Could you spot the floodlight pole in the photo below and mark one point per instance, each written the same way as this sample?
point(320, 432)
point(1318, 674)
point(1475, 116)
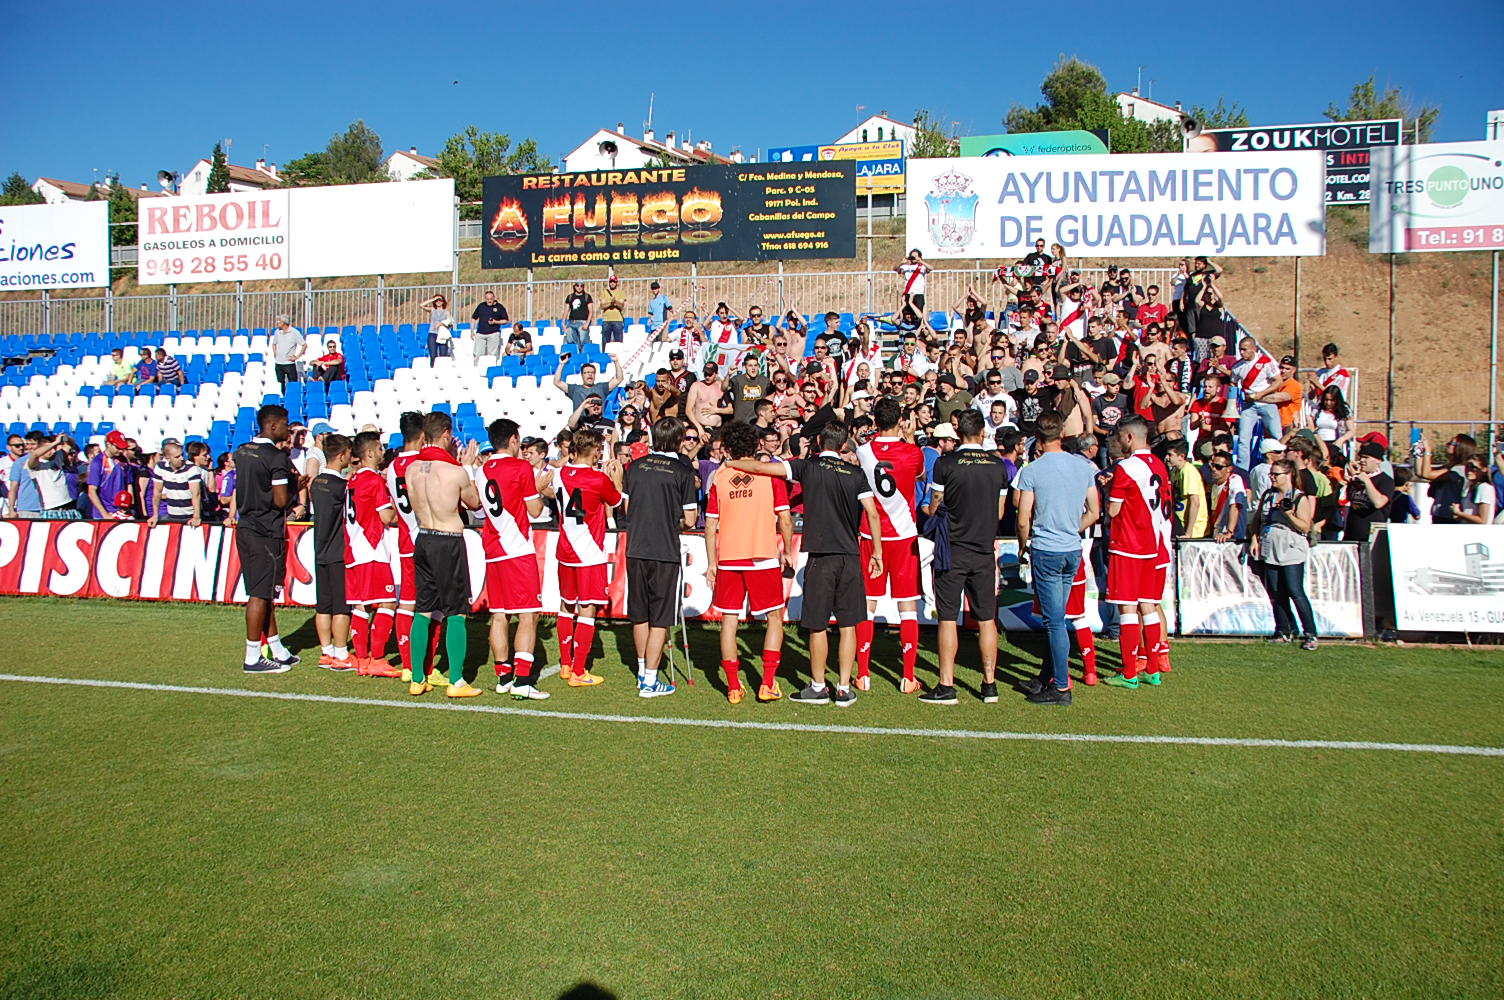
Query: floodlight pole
point(1389, 389)
point(1295, 344)
point(1493, 356)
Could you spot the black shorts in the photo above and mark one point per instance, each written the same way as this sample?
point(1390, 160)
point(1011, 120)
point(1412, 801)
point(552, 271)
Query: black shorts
point(263, 564)
point(329, 589)
point(653, 592)
point(833, 587)
point(971, 573)
point(917, 301)
point(441, 571)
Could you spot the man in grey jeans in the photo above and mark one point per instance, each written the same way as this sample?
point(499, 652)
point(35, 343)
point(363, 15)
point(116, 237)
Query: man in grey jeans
point(288, 346)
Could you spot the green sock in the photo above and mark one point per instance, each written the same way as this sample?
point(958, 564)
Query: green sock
point(454, 647)
point(418, 643)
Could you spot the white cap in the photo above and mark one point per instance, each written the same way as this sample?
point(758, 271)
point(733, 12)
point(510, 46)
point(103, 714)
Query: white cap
point(1271, 445)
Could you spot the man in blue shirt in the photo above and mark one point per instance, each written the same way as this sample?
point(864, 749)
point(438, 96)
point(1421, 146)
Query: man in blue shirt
point(659, 306)
point(1057, 500)
point(146, 368)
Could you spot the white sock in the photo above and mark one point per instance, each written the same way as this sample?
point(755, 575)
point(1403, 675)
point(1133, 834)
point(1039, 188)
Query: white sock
point(817, 687)
point(252, 651)
point(642, 666)
point(842, 690)
point(274, 643)
point(327, 650)
point(340, 652)
point(649, 677)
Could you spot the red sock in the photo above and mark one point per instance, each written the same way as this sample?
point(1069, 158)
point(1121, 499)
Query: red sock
point(1128, 642)
point(908, 637)
point(584, 636)
point(770, 658)
point(432, 655)
point(503, 668)
point(1088, 649)
point(405, 637)
point(381, 628)
point(864, 648)
point(733, 675)
point(1154, 638)
point(566, 641)
point(522, 670)
point(360, 626)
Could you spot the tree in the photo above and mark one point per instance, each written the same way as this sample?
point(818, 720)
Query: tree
point(219, 172)
point(17, 192)
point(472, 155)
point(1366, 103)
point(1221, 116)
point(308, 169)
point(1076, 97)
point(929, 138)
point(123, 214)
point(354, 156)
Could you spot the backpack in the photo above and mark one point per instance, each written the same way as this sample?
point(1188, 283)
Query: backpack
point(1446, 492)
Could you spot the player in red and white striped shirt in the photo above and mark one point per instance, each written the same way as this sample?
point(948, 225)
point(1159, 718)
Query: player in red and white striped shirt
point(509, 498)
point(893, 467)
point(368, 566)
point(1140, 506)
point(585, 494)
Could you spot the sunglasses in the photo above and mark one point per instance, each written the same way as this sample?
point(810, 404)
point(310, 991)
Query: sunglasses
point(1221, 465)
point(693, 440)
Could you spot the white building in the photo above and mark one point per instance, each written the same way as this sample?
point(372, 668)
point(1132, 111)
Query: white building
point(608, 149)
point(405, 164)
point(1134, 105)
point(881, 128)
point(258, 178)
point(56, 192)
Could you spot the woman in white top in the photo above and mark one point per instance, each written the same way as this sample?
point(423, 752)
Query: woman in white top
point(1479, 504)
point(1332, 424)
point(440, 327)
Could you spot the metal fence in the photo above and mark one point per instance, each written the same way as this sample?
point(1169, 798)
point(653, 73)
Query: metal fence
point(537, 300)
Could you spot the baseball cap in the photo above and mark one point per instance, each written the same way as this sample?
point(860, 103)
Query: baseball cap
point(948, 379)
point(115, 438)
point(945, 430)
point(1375, 437)
point(1219, 339)
point(1031, 376)
point(1111, 378)
point(1289, 359)
point(1060, 371)
point(711, 368)
point(676, 353)
point(655, 285)
point(861, 394)
point(612, 280)
point(321, 427)
point(1372, 449)
point(1272, 445)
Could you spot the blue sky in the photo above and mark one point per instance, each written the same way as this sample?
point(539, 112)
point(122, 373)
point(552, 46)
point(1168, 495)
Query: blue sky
point(117, 88)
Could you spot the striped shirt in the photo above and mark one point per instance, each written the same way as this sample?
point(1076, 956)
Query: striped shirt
point(168, 370)
point(174, 491)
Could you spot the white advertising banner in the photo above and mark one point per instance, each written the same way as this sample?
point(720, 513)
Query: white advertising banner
point(1220, 594)
point(1436, 197)
point(213, 237)
point(55, 246)
point(1145, 205)
point(1447, 577)
point(322, 232)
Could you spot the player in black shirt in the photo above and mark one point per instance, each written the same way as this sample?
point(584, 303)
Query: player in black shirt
point(326, 496)
point(971, 486)
point(265, 488)
point(662, 498)
point(835, 496)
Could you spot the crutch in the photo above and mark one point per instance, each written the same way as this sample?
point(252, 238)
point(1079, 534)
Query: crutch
point(689, 672)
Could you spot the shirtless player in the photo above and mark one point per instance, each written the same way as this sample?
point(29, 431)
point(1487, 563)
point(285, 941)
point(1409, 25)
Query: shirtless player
point(438, 485)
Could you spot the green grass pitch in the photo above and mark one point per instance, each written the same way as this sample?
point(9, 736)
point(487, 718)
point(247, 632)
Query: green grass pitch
point(162, 844)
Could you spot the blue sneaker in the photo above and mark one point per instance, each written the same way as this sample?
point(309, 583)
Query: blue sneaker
point(265, 666)
point(292, 659)
point(655, 690)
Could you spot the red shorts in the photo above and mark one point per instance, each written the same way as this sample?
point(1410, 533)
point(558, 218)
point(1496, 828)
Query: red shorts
point(369, 583)
point(900, 569)
point(1075, 603)
point(583, 584)
point(1135, 581)
point(747, 591)
point(513, 586)
point(407, 587)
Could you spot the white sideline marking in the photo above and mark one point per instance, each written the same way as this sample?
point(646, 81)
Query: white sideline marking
point(444, 705)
